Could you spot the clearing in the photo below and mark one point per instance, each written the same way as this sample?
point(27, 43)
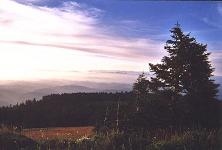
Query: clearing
point(68, 133)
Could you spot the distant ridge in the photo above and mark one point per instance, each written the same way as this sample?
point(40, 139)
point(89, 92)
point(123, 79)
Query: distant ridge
point(20, 91)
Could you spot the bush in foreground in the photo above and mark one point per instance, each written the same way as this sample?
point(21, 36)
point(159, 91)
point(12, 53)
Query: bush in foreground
point(12, 141)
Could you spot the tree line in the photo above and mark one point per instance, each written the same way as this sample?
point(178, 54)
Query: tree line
point(76, 109)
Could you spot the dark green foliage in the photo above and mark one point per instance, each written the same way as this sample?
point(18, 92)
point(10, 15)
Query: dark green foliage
point(77, 109)
point(140, 87)
point(185, 94)
point(191, 140)
point(141, 90)
point(12, 141)
point(186, 70)
point(160, 139)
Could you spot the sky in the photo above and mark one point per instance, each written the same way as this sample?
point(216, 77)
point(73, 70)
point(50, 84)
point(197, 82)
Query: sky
point(98, 40)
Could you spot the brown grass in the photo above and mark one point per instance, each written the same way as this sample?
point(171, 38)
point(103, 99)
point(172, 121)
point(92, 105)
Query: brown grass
point(68, 133)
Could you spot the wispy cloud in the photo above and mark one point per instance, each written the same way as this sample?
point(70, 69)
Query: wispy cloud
point(70, 33)
point(33, 25)
point(28, 1)
point(116, 72)
point(33, 2)
point(214, 21)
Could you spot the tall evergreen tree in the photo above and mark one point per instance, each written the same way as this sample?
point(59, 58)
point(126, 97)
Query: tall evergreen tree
point(186, 70)
point(182, 85)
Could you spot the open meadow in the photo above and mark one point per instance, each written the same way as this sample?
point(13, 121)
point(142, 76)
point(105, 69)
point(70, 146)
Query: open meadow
point(67, 133)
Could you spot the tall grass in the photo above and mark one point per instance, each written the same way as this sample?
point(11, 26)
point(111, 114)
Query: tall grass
point(200, 139)
point(158, 139)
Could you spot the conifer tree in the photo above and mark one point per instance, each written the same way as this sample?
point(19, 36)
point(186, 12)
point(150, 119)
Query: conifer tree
point(140, 88)
point(182, 84)
point(186, 70)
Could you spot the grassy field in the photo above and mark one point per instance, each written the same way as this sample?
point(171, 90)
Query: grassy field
point(75, 138)
point(67, 133)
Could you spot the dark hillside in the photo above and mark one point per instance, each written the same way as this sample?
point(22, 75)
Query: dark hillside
point(77, 109)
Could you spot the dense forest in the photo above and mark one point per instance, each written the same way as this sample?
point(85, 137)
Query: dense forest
point(100, 109)
point(77, 109)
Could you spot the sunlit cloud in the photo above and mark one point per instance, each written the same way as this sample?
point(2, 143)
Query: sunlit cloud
point(117, 72)
point(68, 37)
point(43, 42)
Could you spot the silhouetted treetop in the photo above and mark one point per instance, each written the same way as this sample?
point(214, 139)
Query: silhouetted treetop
point(186, 69)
